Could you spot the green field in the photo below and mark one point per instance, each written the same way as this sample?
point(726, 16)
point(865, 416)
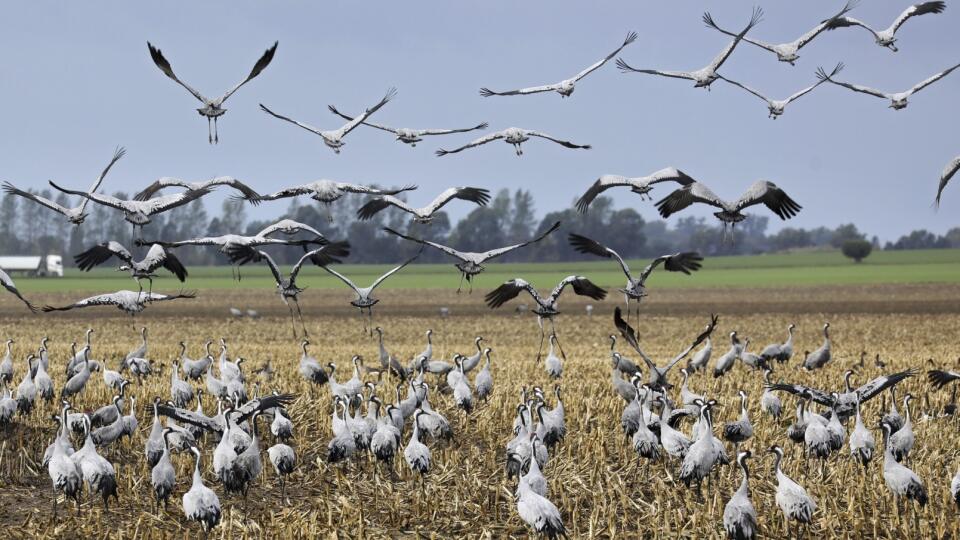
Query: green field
point(820, 268)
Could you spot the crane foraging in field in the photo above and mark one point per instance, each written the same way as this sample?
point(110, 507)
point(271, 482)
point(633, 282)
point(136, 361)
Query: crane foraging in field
point(471, 264)
point(546, 306)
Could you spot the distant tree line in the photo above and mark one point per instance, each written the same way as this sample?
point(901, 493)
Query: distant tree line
point(27, 229)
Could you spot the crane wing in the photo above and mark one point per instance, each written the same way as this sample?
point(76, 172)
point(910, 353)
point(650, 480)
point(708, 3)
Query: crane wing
point(189, 417)
point(939, 378)
point(446, 249)
point(393, 271)
point(878, 385)
point(486, 92)
point(375, 205)
point(822, 75)
point(164, 66)
point(261, 65)
point(98, 300)
point(483, 125)
point(12, 288)
point(117, 154)
point(307, 127)
point(923, 84)
point(582, 244)
point(368, 124)
point(157, 185)
point(625, 67)
point(917, 9)
point(631, 37)
point(289, 227)
point(818, 396)
point(100, 253)
point(747, 88)
point(772, 197)
point(494, 253)
point(681, 198)
point(476, 142)
point(42, 201)
point(581, 286)
point(510, 290)
point(685, 261)
point(561, 142)
point(262, 404)
point(168, 202)
point(946, 175)
point(475, 195)
point(100, 198)
point(349, 126)
point(724, 54)
point(328, 254)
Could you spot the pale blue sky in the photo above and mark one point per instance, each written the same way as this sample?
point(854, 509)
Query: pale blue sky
point(77, 81)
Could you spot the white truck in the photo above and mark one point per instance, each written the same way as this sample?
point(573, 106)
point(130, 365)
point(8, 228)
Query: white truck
point(33, 265)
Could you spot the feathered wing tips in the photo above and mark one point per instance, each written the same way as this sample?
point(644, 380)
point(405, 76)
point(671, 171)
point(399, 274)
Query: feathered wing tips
point(371, 208)
point(582, 244)
point(939, 378)
point(584, 287)
point(822, 74)
point(408, 187)
point(714, 319)
point(331, 253)
point(173, 264)
point(12, 288)
point(777, 201)
point(479, 196)
point(264, 61)
point(686, 262)
point(504, 293)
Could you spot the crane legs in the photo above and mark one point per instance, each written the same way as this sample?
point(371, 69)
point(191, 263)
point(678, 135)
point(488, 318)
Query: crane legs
point(299, 315)
point(209, 130)
point(216, 134)
point(553, 328)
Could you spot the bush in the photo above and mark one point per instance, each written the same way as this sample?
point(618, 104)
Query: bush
point(857, 250)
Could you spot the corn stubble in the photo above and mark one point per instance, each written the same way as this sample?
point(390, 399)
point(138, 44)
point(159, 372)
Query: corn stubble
point(594, 475)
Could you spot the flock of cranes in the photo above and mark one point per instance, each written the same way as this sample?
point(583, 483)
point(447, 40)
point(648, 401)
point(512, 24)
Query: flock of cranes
point(362, 420)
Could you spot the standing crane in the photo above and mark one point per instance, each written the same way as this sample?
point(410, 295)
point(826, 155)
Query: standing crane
point(739, 515)
point(792, 499)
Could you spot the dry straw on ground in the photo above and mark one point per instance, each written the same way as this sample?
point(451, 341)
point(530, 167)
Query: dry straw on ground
point(594, 475)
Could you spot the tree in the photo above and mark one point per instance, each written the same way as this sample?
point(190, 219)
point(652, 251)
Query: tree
point(843, 233)
point(857, 250)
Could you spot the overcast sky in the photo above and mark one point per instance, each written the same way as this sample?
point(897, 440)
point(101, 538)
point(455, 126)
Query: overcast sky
point(77, 81)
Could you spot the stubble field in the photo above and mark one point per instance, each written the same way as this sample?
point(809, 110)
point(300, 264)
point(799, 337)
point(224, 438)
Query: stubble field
point(595, 478)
